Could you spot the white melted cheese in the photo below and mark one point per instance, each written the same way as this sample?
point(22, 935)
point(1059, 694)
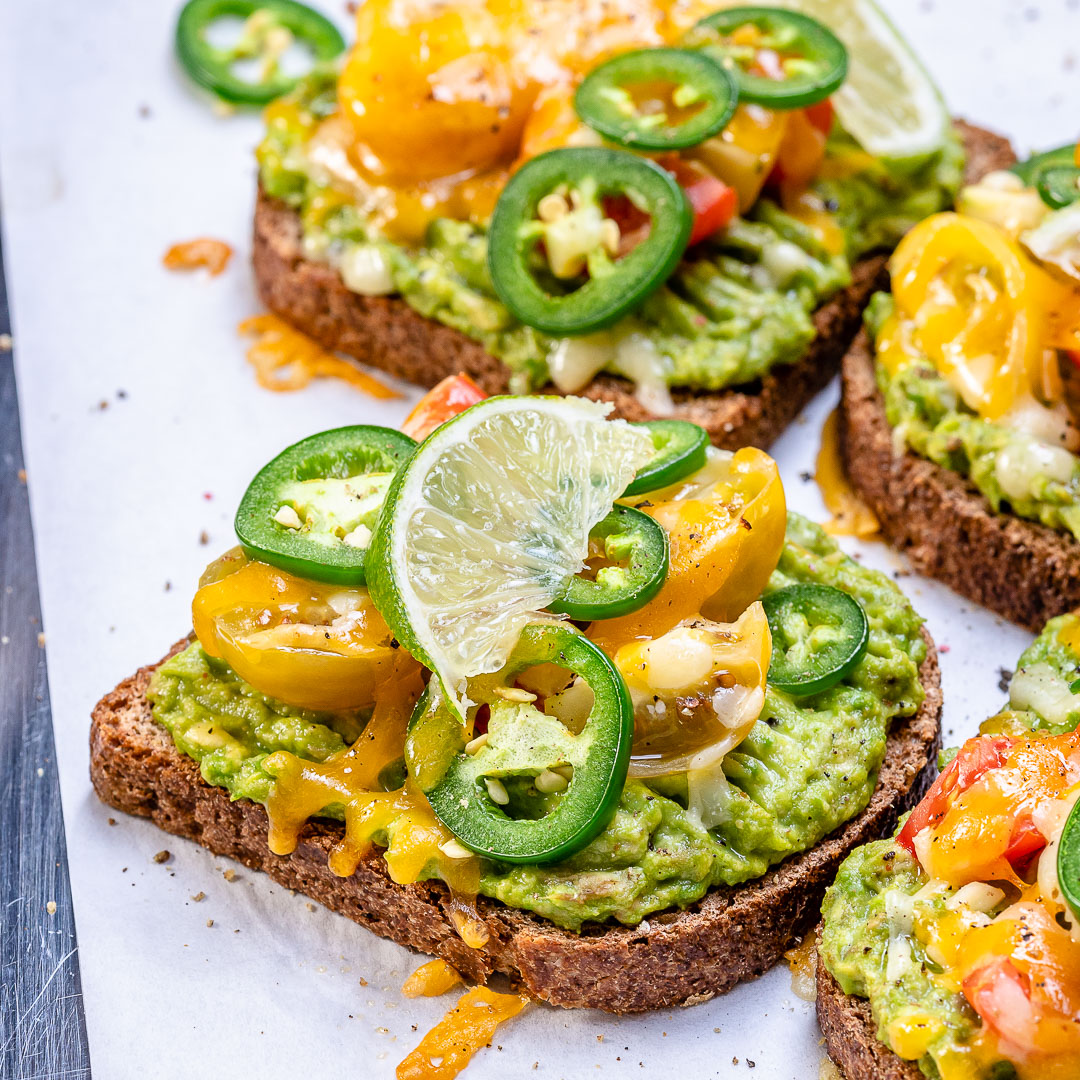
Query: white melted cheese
point(365, 270)
point(575, 362)
point(1041, 689)
point(1025, 460)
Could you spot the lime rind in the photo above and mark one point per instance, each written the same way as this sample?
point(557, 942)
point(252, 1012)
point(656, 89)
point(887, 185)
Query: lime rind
point(488, 522)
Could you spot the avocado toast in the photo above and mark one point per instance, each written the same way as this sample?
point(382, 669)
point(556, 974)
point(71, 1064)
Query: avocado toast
point(736, 336)
point(716, 840)
point(956, 939)
point(973, 471)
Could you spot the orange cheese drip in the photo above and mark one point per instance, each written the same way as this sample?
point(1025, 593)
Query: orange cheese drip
point(469, 1026)
point(432, 979)
point(850, 515)
point(802, 960)
point(402, 820)
point(214, 255)
point(285, 359)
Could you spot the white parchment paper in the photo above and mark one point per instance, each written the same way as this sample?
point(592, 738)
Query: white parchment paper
point(142, 425)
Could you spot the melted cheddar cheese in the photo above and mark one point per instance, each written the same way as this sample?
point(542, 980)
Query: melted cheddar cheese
point(286, 359)
point(468, 1027)
point(416, 843)
point(850, 514)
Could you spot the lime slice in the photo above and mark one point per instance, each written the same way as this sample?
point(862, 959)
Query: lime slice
point(488, 521)
point(888, 102)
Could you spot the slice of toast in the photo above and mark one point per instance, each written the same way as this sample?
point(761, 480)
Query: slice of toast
point(851, 1035)
point(674, 958)
point(387, 334)
point(1019, 569)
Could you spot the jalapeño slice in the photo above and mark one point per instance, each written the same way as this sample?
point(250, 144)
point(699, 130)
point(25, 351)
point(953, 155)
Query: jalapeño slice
point(311, 510)
point(636, 548)
point(680, 451)
point(271, 26)
point(1068, 860)
point(819, 635)
point(553, 253)
point(472, 792)
point(1030, 170)
point(779, 58)
point(658, 99)
point(1059, 185)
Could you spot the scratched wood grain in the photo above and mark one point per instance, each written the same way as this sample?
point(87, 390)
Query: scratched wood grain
point(42, 1024)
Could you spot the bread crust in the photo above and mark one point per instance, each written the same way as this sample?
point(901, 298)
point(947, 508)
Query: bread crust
point(851, 1035)
point(387, 334)
point(1020, 569)
point(675, 958)
point(384, 332)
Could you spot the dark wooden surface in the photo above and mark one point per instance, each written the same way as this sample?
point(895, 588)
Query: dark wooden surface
point(42, 1024)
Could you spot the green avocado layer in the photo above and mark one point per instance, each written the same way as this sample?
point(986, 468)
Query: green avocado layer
point(935, 423)
point(855, 935)
point(807, 765)
point(740, 305)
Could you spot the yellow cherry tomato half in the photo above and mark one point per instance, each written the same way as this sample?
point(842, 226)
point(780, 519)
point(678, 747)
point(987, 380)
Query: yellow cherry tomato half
point(697, 691)
point(965, 288)
point(306, 643)
point(726, 525)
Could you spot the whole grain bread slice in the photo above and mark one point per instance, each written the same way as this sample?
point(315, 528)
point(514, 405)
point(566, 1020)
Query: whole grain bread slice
point(674, 958)
point(387, 334)
point(851, 1035)
point(1019, 569)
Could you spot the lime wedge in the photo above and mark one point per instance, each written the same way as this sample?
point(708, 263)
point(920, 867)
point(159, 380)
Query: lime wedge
point(487, 522)
point(889, 102)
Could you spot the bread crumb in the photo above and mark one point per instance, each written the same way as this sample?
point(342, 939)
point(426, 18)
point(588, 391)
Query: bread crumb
point(199, 897)
point(363, 982)
point(310, 906)
point(209, 922)
point(5, 343)
point(41, 640)
point(50, 907)
point(22, 476)
point(161, 856)
point(112, 821)
point(229, 875)
point(204, 538)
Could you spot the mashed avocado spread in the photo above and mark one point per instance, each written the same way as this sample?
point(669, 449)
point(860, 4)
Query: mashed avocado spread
point(929, 415)
point(917, 1013)
point(739, 306)
point(808, 764)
